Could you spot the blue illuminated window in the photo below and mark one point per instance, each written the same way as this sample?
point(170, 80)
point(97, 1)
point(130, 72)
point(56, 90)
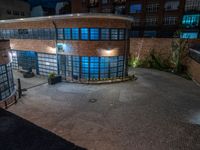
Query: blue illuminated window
point(189, 35)
point(84, 34)
point(191, 20)
point(105, 34)
point(75, 33)
point(85, 68)
point(67, 33)
point(114, 34)
point(135, 8)
point(60, 34)
point(150, 33)
point(94, 68)
point(94, 34)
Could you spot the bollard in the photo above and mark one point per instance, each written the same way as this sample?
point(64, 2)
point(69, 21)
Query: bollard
point(19, 88)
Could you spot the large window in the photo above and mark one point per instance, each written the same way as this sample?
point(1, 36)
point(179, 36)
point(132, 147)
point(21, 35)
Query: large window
point(114, 34)
point(94, 34)
point(191, 20)
point(170, 20)
point(192, 5)
point(150, 33)
point(172, 5)
point(105, 34)
point(84, 34)
point(121, 34)
point(151, 20)
point(152, 7)
point(47, 63)
point(189, 35)
point(91, 68)
point(75, 33)
point(85, 68)
point(67, 33)
point(59, 34)
point(94, 68)
point(135, 8)
point(6, 81)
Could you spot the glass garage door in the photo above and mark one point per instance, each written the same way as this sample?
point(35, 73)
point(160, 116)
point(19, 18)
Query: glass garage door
point(47, 63)
point(27, 60)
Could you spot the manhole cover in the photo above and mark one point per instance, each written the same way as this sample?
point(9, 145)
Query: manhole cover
point(93, 100)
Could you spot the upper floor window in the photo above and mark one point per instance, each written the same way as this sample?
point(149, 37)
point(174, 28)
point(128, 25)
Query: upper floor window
point(94, 34)
point(105, 34)
point(189, 35)
point(151, 20)
point(135, 8)
point(104, 1)
point(191, 20)
point(172, 5)
point(170, 20)
point(136, 21)
point(84, 34)
point(152, 7)
point(150, 33)
point(121, 34)
point(75, 33)
point(192, 5)
point(60, 34)
point(67, 33)
point(114, 34)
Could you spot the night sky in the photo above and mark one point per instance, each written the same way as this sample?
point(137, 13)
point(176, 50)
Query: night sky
point(46, 3)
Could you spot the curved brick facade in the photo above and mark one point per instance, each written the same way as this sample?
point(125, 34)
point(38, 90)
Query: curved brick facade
point(94, 39)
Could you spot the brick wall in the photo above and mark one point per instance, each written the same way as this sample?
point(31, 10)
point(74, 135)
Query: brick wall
point(44, 46)
point(194, 70)
point(142, 46)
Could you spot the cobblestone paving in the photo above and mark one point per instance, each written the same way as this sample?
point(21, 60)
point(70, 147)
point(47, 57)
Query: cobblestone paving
point(159, 111)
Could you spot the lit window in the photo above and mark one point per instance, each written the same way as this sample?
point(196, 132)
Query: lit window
point(75, 33)
point(170, 20)
point(150, 33)
point(153, 7)
point(67, 32)
point(60, 34)
point(105, 34)
point(172, 5)
point(121, 34)
point(189, 35)
point(114, 34)
point(191, 20)
point(84, 34)
point(94, 34)
point(151, 20)
point(135, 8)
point(192, 5)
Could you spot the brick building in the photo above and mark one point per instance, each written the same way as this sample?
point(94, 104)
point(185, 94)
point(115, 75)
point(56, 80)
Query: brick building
point(80, 47)
point(152, 18)
point(12, 9)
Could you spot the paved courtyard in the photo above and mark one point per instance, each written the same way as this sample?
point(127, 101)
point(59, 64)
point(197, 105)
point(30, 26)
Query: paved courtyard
point(158, 111)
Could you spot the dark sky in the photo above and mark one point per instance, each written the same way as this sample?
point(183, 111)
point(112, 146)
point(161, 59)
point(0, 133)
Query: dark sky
point(46, 3)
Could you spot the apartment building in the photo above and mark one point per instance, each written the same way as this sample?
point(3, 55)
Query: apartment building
point(13, 9)
point(152, 18)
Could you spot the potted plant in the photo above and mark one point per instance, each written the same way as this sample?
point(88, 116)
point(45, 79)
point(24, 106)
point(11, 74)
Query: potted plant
point(53, 79)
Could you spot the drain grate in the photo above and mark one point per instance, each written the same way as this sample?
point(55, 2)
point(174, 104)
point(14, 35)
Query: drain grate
point(93, 100)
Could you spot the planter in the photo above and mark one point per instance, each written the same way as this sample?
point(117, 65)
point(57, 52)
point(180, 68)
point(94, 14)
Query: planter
point(54, 80)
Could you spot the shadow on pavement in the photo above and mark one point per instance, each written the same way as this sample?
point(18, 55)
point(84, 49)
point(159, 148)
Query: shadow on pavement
point(19, 134)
